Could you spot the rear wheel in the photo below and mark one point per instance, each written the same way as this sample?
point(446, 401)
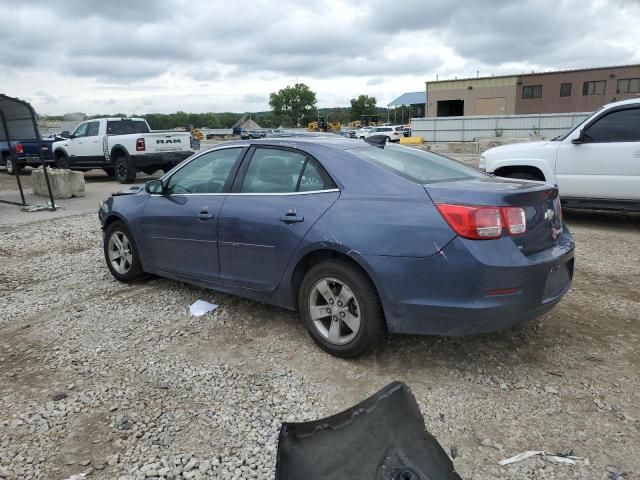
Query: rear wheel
point(124, 170)
point(10, 164)
point(121, 253)
point(524, 176)
point(340, 308)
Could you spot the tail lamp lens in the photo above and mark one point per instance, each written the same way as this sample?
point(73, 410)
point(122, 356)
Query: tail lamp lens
point(481, 222)
point(19, 148)
point(140, 146)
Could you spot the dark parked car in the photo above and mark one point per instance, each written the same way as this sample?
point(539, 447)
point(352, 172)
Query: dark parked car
point(27, 152)
point(360, 240)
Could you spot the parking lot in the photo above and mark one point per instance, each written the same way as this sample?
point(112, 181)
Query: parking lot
point(117, 381)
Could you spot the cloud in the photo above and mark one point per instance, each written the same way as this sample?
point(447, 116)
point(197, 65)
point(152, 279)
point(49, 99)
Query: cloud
point(179, 54)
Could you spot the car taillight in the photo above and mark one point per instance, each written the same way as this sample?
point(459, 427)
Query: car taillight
point(19, 149)
point(557, 205)
point(478, 222)
point(140, 147)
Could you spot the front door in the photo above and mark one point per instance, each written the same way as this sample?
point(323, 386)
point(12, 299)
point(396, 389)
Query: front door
point(278, 195)
point(607, 163)
point(180, 226)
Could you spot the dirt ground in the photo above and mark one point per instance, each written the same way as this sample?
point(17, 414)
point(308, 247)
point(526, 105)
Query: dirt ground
point(151, 392)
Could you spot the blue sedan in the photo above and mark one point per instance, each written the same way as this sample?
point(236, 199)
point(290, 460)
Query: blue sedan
point(361, 239)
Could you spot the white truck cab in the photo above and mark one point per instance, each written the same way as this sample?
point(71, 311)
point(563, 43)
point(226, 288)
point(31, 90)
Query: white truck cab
point(121, 147)
point(595, 165)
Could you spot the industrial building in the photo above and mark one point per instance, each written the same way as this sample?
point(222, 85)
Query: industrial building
point(546, 92)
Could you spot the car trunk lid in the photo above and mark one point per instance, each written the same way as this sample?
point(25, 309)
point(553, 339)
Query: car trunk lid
point(540, 202)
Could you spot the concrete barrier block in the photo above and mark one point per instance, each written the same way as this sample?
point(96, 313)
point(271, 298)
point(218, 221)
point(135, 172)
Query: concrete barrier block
point(64, 183)
point(463, 147)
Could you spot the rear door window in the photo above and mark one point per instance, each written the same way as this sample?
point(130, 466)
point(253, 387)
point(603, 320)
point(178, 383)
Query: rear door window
point(126, 127)
point(272, 170)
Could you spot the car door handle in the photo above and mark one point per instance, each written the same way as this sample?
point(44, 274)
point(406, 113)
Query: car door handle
point(205, 216)
point(289, 218)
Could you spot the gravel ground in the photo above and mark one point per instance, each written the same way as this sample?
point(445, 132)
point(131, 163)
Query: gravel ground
point(117, 381)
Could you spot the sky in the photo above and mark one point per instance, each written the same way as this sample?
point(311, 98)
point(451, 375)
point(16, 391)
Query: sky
point(137, 56)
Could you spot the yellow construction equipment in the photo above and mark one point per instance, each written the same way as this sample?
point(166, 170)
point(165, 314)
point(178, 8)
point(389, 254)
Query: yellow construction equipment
point(323, 126)
point(196, 134)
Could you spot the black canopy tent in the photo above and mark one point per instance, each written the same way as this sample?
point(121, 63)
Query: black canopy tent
point(18, 122)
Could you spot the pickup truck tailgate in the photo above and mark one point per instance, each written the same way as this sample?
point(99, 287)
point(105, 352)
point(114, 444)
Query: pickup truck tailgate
point(167, 142)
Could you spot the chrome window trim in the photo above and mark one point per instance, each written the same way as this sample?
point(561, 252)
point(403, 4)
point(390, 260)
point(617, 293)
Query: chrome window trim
point(245, 194)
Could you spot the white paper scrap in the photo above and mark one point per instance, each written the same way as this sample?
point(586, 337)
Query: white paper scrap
point(200, 307)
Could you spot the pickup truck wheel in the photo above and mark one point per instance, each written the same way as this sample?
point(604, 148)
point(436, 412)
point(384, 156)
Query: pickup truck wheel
point(341, 309)
point(523, 176)
point(11, 168)
point(63, 162)
point(124, 170)
point(121, 253)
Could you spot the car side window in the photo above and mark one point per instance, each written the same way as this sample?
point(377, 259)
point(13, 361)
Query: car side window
point(92, 129)
point(273, 171)
point(208, 173)
point(619, 126)
point(81, 131)
point(313, 178)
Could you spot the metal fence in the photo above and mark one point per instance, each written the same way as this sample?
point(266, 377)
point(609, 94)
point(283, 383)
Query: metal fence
point(465, 129)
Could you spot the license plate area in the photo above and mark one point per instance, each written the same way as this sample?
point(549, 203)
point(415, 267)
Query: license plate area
point(558, 280)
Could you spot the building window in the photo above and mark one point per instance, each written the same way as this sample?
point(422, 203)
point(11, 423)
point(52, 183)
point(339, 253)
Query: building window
point(565, 90)
point(594, 88)
point(629, 85)
point(532, 91)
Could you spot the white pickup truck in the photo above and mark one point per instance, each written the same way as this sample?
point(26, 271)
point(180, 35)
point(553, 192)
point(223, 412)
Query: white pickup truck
point(121, 147)
point(595, 165)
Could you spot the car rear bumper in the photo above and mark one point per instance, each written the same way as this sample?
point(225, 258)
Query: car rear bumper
point(165, 158)
point(472, 287)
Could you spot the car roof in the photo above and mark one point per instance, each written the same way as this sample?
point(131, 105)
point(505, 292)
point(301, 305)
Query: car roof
point(330, 140)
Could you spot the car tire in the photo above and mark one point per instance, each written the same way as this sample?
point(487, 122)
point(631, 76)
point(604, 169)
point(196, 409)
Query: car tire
point(124, 169)
point(524, 176)
point(121, 253)
point(334, 333)
point(11, 166)
point(110, 171)
point(62, 162)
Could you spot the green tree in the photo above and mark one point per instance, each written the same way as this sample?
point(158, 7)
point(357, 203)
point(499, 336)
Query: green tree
point(293, 106)
point(363, 105)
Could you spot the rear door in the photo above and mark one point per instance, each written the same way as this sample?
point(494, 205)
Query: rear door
point(180, 227)
point(607, 163)
point(277, 196)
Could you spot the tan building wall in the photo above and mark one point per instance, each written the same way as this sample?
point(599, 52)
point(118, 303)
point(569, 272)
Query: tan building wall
point(552, 102)
point(481, 96)
point(503, 95)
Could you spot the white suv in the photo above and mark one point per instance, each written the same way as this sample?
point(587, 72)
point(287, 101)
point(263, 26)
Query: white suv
point(596, 165)
point(393, 132)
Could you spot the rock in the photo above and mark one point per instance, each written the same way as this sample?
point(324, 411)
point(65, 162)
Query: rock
point(113, 460)
point(56, 397)
point(550, 389)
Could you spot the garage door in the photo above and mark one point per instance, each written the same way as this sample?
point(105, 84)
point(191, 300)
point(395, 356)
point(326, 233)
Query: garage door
point(491, 106)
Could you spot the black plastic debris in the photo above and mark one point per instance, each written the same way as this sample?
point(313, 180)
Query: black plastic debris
point(381, 438)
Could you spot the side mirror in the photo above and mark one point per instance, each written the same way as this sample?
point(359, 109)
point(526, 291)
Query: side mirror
point(154, 187)
point(66, 134)
point(579, 139)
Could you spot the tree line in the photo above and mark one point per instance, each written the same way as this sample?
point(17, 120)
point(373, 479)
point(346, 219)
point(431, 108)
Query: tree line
point(292, 106)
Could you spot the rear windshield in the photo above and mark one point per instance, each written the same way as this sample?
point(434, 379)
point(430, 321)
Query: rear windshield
point(126, 127)
point(417, 165)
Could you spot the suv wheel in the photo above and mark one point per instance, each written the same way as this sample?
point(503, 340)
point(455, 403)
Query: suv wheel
point(124, 170)
point(340, 308)
point(121, 253)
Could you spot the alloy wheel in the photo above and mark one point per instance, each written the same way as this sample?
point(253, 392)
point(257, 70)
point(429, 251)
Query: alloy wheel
point(334, 310)
point(120, 254)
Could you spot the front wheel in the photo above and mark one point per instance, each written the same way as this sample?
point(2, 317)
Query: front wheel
point(341, 309)
point(124, 170)
point(121, 253)
point(63, 162)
